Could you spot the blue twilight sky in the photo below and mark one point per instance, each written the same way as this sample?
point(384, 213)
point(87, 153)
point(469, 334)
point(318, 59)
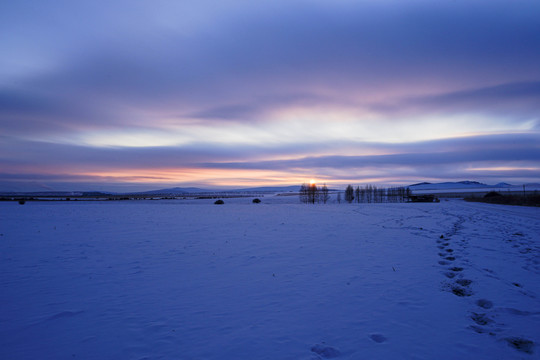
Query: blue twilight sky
point(133, 95)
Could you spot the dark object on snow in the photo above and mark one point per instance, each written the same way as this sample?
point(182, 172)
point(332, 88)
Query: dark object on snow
point(378, 338)
point(493, 197)
point(521, 344)
point(219, 202)
point(256, 201)
point(492, 194)
point(22, 202)
point(464, 282)
point(483, 303)
point(325, 351)
point(423, 198)
point(460, 291)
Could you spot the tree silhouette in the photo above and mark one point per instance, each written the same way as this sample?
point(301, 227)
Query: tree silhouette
point(324, 194)
point(313, 193)
point(349, 194)
point(304, 193)
point(310, 194)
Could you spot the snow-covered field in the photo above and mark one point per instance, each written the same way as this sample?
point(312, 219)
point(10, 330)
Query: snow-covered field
point(276, 280)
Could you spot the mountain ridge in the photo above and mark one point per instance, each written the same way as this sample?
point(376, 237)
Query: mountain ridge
point(466, 184)
point(192, 190)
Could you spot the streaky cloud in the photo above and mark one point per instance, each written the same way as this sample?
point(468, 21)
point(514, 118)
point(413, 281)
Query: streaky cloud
point(347, 55)
point(500, 147)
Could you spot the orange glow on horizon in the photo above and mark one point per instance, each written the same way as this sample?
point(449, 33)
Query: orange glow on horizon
point(204, 177)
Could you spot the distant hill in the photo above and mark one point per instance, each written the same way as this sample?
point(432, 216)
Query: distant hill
point(195, 190)
point(422, 183)
point(455, 185)
point(177, 190)
point(43, 193)
point(293, 188)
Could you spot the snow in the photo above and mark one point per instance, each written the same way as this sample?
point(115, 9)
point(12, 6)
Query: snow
point(186, 279)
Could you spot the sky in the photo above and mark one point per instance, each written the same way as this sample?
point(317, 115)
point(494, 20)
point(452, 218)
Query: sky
point(138, 95)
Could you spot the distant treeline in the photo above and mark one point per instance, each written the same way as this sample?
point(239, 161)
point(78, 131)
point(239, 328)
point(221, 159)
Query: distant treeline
point(311, 194)
point(494, 197)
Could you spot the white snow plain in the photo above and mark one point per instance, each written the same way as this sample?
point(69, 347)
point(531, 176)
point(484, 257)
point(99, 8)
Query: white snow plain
point(277, 280)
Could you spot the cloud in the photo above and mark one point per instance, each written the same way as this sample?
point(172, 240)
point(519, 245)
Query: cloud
point(420, 160)
point(254, 59)
point(517, 150)
point(521, 99)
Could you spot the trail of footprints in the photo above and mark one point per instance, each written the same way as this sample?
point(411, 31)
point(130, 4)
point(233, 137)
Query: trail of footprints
point(460, 286)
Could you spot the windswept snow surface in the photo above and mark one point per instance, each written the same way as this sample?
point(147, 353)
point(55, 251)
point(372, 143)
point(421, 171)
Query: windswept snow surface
point(276, 280)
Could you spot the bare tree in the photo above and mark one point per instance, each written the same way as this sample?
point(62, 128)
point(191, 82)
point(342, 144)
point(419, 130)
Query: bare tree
point(324, 194)
point(313, 193)
point(310, 194)
point(349, 194)
point(304, 193)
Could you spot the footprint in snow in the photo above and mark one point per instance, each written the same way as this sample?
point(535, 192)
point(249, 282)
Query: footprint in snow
point(378, 338)
point(460, 291)
point(481, 319)
point(464, 282)
point(327, 352)
point(521, 344)
point(481, 330)
point(483, 303)
point(449, 274)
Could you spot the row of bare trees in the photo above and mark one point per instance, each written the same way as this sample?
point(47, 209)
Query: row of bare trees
point(373, 194)
point(311, 194)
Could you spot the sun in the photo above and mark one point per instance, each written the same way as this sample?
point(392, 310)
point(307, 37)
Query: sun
point(312, 182)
